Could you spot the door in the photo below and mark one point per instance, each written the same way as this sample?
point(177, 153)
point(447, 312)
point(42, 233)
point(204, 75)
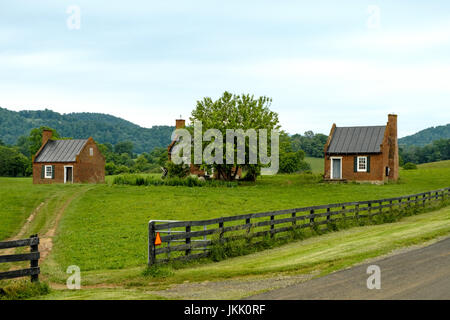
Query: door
point(69, 174)
point(336, 163)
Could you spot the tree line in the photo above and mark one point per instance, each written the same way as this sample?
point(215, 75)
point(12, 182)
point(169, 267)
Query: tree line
point(438, 150)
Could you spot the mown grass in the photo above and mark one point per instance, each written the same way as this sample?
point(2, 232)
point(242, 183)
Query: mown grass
point(325, 253)
point(316, 164)
point(319, 254)
point(106, 228)
point(18, 198)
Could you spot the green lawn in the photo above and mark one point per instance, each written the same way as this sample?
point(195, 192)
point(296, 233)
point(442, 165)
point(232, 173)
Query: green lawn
point(316, 164)
point(320, 254)
point(106, 228)
point(18, 199)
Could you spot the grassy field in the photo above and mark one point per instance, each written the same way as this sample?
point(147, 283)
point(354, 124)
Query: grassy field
point(316, 164)
point(19, 198)
point(106, 228)
point(315, 256)
point(103, 229)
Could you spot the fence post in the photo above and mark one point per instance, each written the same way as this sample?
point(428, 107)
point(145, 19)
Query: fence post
point(247, 221)
point(188, 241)
point(34, 263)
point(294, 214)
point(272, 226)
point(221, 232)
point(311, 219)
point(151, 243)
point(328, 213)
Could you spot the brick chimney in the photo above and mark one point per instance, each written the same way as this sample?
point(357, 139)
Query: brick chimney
point(180, 123)
point(46, 135)
point(393, 147)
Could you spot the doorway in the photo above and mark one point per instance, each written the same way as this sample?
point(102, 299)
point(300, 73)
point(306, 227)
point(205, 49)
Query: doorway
point(336, 168)
point(68, 174)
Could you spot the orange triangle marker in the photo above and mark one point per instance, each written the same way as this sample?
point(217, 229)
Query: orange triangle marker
point(158, 239)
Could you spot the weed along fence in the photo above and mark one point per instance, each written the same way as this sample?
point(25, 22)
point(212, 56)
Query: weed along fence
point(185, 240)
point(33, 256)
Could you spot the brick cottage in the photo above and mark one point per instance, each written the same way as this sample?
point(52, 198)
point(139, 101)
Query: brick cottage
point(367, 154)
point(195, 169)
point(68, 161)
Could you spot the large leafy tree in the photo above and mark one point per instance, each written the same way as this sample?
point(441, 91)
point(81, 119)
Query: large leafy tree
point(13, 163)
point(35, 138)
point(291, 161)
point(235, 112)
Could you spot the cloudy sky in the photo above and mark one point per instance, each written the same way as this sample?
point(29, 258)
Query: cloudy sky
point(349, 62)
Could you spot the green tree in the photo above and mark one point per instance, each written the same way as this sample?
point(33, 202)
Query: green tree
point(235, 112)
point(124, 147)
point(23, 143)
point(141, 164)
point(110, 168)
point(35, 138)
point(291, 161)
point(13, 163)
point(158, 156)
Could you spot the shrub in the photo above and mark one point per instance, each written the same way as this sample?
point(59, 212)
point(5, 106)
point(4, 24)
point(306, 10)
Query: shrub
point(23, 289)
point(110, 168)
point(410, 166)
point(176, 170)
point(191, 181)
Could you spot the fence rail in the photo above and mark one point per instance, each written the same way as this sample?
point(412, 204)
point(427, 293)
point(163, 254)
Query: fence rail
point(33, 257)
point(200, 235)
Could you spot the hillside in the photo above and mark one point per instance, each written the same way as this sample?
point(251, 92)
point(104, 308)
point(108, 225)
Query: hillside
point(426, 136)
point(102, 127)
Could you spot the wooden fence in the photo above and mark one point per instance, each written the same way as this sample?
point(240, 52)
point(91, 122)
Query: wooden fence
point(33, 257)
point(181, 240)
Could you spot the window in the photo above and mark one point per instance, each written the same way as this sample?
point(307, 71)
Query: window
point(362, 164)
point(48, 172)
point(91, 151)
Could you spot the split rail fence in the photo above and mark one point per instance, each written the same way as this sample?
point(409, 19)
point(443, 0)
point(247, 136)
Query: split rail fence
point(33, 256)
point(185, 240)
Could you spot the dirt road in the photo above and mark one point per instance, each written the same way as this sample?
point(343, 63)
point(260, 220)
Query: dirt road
point(417, 274)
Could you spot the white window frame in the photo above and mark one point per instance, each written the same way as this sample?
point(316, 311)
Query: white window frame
point(46, 176)
point(91, 151)
point(331, 165)
point(365, 163)
point(65, 173)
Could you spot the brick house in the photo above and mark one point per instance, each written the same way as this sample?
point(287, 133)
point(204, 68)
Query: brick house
point(68, 161)
point(367, 154)
point(194, 169)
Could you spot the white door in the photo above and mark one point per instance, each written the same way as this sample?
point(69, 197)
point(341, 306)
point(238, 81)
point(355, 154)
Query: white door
point(336, 163)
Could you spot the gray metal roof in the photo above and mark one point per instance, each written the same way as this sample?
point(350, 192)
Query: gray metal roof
point(357, 140)
point(60, 151)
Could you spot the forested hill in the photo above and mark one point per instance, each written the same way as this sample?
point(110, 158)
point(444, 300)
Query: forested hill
point(426, 136)
point(102, 127)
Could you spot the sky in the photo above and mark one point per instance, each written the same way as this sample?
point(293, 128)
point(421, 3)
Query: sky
point(322, 62)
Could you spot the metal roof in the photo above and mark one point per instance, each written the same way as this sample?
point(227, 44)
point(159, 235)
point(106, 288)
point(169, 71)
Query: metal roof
point(60, 150)
point(357, 140)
